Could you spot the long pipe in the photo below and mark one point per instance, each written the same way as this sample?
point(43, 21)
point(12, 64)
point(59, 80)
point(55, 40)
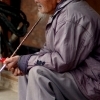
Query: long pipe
point(22, 42)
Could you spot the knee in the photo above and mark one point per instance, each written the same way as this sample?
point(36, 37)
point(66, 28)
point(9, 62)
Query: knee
point(37, 71)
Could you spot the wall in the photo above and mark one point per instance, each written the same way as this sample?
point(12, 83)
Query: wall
point(95, 4)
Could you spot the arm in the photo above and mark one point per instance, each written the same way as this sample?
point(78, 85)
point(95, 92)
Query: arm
point(71, 42)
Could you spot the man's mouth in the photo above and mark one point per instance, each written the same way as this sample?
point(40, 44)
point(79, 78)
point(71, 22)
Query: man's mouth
point(39, 6)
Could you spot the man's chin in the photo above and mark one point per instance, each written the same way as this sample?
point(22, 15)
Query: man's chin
point(41, 14)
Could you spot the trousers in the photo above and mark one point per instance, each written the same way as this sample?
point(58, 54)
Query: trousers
point(44, 84)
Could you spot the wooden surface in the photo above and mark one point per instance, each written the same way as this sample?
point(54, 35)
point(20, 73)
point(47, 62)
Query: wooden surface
point(95, 4)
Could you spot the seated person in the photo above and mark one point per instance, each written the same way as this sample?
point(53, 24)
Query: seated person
point(68, 65)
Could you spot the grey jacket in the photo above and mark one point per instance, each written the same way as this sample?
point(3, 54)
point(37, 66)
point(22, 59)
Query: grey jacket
point(72, 45)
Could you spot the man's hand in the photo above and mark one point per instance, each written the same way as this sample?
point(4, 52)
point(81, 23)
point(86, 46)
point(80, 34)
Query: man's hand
point(16, 72)
point(11, 65)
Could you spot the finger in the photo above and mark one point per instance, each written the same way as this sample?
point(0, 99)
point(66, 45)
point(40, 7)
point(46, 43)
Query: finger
point(11, 65)
point(20, 73)
point(15, 72)
point(7, 60)
point(12, 70)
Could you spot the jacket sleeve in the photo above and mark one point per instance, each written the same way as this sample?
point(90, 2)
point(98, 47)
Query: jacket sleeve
point(71, 46)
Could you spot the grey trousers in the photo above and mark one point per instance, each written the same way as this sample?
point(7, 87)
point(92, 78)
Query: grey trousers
point(44, 84)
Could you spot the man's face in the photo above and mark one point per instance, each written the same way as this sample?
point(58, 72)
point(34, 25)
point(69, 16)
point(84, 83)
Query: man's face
point(47, 6)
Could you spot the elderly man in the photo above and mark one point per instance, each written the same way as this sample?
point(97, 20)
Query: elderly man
point(68, 65)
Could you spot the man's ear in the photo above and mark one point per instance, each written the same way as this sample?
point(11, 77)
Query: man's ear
point(58, 1)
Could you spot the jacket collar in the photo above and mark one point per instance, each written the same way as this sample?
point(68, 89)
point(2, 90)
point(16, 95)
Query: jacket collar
point(63, 3)
point(59, 7)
